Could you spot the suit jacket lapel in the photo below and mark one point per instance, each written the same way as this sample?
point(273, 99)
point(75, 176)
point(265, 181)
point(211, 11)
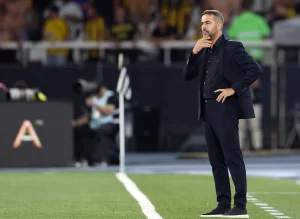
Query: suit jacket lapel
point(220, 64)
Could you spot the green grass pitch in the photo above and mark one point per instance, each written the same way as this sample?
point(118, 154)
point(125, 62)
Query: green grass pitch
point(95, 195)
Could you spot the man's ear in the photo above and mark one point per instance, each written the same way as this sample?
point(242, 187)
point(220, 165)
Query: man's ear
point(220, 26)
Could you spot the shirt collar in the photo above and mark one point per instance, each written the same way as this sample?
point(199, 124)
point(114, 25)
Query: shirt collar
point(219, 41)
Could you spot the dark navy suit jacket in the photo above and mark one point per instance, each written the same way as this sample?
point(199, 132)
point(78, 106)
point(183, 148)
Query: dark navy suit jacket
point(237, 68)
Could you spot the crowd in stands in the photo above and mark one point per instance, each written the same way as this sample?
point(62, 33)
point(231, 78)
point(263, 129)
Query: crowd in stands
point(120, 20)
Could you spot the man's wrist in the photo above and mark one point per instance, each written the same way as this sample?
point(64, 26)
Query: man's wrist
point(194, 53)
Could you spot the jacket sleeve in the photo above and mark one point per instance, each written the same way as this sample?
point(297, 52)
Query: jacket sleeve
point(190, 70)
point(250, 67)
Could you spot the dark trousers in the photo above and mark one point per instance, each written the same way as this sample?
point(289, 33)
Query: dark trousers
point(94, 145)
point(82, 143)
point(222, 138)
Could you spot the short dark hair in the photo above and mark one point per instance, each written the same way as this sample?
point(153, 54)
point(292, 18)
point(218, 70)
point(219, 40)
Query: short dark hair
point(99, 86)
point(217, 14)
point(54, 8)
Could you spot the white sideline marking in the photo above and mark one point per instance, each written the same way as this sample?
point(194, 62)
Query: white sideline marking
point(252, 199)
point(275, 193)
point(147, 207)
point(271, 210)
point(277, 213)
point(256, 201)
point(265, 206)
point(261, 204)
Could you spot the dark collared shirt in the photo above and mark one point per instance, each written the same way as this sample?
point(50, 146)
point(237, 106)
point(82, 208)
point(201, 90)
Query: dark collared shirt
point(212, 75)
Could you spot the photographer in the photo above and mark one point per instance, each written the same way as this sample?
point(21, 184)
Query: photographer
point(96, 125)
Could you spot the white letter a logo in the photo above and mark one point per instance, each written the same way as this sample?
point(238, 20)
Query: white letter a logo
point(27, 133)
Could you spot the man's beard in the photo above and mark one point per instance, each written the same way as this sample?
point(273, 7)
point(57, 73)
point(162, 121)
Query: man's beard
point(210, 35)
point(205, 34)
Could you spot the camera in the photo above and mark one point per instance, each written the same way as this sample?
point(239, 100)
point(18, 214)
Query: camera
point(27, 94)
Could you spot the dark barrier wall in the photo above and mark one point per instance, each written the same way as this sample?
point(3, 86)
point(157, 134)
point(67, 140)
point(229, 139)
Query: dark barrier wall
point(292, 90)
point(157, 89)
point(36, 134)
point(55, 82)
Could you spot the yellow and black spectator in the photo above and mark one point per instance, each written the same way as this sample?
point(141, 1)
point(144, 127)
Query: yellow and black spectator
point(55, 30)
point(183, 19)
point(177, 14)
point(123, 29)
point(95, 30)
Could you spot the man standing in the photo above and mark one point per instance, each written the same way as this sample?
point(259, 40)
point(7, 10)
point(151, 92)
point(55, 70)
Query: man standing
point(101, 128)
point(225, 72)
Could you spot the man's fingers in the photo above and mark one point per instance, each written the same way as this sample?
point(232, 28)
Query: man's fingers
point(219, 90)
point(224, 98)
point(204, 41)
point(219, 97)
point(223, 95)
point(206, 45)
point(207, 41)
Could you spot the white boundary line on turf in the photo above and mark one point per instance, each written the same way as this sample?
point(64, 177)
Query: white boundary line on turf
point(146, 205)
point(274, 193)
point(264, 206)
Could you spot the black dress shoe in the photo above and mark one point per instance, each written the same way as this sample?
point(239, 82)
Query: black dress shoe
point(217, 212)
point(236, 213)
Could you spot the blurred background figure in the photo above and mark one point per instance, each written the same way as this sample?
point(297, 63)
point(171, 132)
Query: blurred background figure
point(281, 10)
point(248, 26)
point(72, 13)
point(123, 27)
point(56, 30)
point(95, 131)
point(162, 32)
point(95, 30)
